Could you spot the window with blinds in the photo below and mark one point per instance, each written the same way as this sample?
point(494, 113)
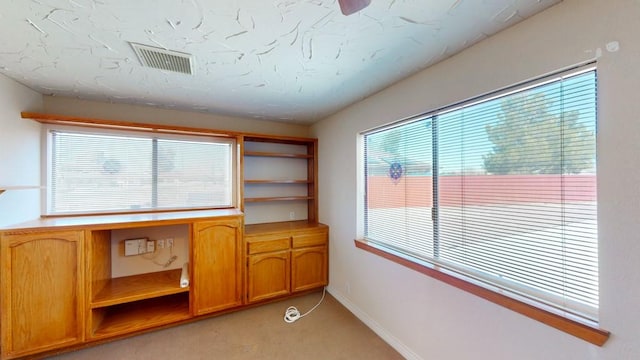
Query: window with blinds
point(500, 190)
point(114, 172)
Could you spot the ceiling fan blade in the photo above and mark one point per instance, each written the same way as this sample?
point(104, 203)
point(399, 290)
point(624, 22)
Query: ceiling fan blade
point(349, 7)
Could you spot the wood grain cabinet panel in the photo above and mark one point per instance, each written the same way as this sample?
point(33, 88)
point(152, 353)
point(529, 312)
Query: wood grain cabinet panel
point(285, 258)
point(268, 275)
point(309, 259)
point(308, 268)
point(42, 291)
point(268, 264)
point(217, 265)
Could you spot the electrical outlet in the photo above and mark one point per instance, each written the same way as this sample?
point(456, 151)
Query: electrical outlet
point(292, 215)
point(130, 247)
point(151, 246)
point(160, 244)
point(142, 246)
point(169, 242)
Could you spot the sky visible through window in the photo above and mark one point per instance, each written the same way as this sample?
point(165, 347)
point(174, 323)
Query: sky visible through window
point(415, 139)
point(515, 192)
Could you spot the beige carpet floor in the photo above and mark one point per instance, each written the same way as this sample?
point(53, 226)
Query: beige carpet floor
point(329, 332)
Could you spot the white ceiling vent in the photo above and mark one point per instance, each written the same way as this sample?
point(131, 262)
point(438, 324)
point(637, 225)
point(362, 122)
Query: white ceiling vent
point(164, 59)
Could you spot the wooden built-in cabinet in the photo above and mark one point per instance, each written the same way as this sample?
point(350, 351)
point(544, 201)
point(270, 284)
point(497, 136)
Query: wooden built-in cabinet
point(309, 256)
point(280, 177)
point(58, 292)
point(217, 258)
point(268, 266)
point(57, 289)
point(57, 286)
point(285, 258)
point(42, 301)
point(286, 247)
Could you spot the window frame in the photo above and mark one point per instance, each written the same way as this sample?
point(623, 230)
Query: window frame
point(134, 132)
point(577, 326)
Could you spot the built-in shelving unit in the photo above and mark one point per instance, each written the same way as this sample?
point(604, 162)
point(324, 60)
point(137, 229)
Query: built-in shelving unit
point(98, 294)
point(280, 176)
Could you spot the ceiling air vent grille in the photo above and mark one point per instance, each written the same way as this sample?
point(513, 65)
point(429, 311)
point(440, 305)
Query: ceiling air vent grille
point(164, 59)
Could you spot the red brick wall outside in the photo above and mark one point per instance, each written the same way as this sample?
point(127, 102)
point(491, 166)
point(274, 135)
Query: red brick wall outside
point(415, 191)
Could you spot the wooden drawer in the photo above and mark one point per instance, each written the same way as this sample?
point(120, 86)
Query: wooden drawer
point(309, 238)
point(267, 243)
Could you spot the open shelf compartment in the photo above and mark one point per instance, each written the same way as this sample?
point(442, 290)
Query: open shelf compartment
point(130, 303)
point(140, 315)
point(138, 287)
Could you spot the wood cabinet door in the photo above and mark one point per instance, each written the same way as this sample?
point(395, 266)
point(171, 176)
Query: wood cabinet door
point(308, 268)
point(217, 265)
point(42, 291)
point(268, 275)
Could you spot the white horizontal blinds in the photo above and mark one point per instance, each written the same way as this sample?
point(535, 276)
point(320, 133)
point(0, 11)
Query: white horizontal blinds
point(517, 192)
point(99, 173)
point(194, 174)
point(399, 187)
point(92, 172)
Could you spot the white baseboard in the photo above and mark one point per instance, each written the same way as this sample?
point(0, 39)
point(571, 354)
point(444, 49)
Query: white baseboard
point(373, 325)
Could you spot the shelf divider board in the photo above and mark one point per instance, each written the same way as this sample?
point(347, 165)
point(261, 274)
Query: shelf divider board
point(256, 181)
point(139, 287)
point(274, 154)
point(278, 227)
point(278, 198)
point(5, 188)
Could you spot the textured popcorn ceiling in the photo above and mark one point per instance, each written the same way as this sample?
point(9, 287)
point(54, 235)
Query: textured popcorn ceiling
point(286, 60)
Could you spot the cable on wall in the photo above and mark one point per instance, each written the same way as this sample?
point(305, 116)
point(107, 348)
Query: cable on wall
point(153, 257)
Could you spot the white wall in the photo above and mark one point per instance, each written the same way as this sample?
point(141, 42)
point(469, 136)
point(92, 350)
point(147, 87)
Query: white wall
point(20, 138)
point(255, 212)
point(140, 264)
point(424, 318)
point(19, 152)
point(154, 115)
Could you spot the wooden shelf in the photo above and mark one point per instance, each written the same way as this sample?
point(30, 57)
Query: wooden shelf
point(139, 287)
point(278, 227)
point(281, 173)
point(140, 315)
point(274, 154)
point(277, 182)
point(5, 188)
point(278, 198)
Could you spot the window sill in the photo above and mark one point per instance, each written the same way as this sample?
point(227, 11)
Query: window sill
point(117, 220)
point(583, 331)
